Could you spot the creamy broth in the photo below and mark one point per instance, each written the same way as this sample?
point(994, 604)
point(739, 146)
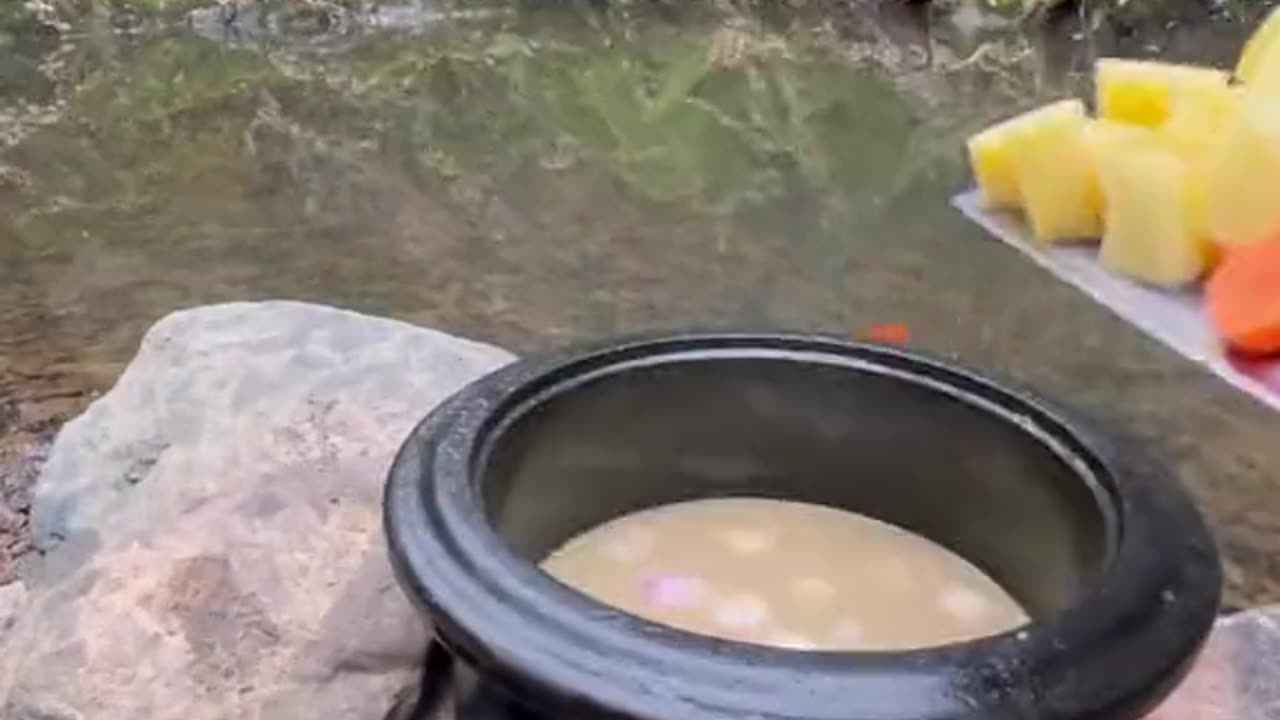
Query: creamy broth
point(785, 574)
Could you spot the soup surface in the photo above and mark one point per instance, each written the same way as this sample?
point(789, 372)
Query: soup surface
point(786, 574)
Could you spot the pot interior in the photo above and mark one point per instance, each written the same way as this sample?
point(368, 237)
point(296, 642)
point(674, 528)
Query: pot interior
point(950, 466)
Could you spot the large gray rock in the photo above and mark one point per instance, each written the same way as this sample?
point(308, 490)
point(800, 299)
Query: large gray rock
point(1235, 677)
point(212, 524)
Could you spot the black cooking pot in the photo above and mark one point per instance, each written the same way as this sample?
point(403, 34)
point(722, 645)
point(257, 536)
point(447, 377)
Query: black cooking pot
point(1096, 541)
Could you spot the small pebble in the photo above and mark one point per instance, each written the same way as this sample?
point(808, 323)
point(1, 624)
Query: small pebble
point(742, 612)
point(962, 602)
point(631, 547)
point(749, 540)
point(811, 588)
point(896, 573)
point(847, 633)
point(674, 591)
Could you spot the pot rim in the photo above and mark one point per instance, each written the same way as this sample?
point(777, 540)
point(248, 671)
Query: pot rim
point(1117, 647)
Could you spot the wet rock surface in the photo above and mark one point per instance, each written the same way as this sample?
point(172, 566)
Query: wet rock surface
point(210, 529)
point(19, 457)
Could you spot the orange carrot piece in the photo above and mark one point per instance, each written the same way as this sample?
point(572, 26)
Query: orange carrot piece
point(1243, 297)
point(889, 334)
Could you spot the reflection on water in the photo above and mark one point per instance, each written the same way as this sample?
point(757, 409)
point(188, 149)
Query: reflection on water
point(519, 176)
point(524, 175)
point(527, 175)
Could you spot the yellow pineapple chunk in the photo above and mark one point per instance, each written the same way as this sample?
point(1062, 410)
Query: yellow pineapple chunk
point(991, 157)
point(1262, 49)
point(1102, 137)
point(1055, 174)
point(1243, 175)
point(1195, 133)
point(1264, 78)
point(1196, 120)
point(1140, 91)
point(1151, 234)
point(1109, 136)
point(992, 152)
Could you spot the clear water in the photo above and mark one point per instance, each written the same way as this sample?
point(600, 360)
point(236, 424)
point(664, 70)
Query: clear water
point(784, 574)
